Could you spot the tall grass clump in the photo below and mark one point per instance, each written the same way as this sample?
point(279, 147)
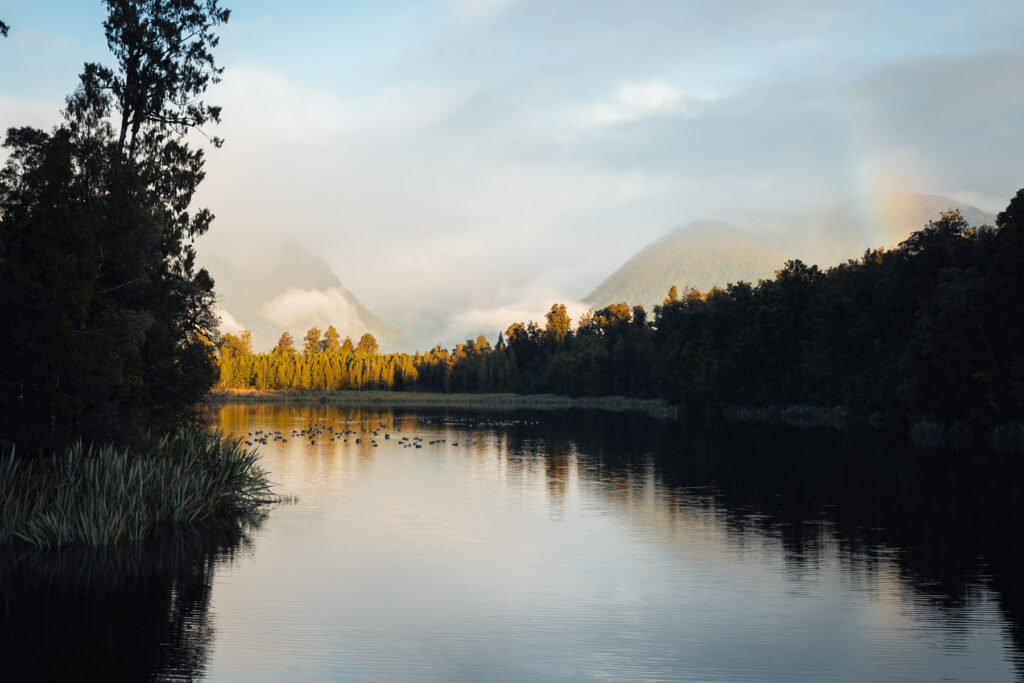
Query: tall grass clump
point(102, 495)
point(796, 415)
point(928, 434)
point(1008, 438)
point(931, 434)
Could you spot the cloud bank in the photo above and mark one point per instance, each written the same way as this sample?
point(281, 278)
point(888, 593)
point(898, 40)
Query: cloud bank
point(442, 156)
point(297, 310)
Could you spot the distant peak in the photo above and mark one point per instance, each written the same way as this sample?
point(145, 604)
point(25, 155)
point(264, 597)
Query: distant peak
point(705, 232)
point(707, 226)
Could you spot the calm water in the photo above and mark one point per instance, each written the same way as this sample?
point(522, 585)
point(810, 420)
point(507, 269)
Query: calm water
point(552, 547)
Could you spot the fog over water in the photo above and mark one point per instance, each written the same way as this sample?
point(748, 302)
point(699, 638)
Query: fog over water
point(460, 162)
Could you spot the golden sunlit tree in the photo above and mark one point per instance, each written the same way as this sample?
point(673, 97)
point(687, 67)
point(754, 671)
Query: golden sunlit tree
point(367, 344)
point(311, 342)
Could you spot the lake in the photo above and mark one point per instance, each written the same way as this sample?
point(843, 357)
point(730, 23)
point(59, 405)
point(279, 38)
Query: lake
point(456, 545)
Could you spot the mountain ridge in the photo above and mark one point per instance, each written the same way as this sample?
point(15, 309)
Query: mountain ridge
point(291, 289)
point(701, 254)
point(712, 253)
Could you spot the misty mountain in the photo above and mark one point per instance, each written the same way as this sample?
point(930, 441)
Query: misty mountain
point(845, 232)
point(702, 254)
point(908, 212)
point(705, 254)
point(291, 289)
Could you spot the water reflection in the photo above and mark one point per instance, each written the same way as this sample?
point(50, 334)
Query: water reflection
point(928, 541)
point(554, 547)
point(136, 613)
point(947, 524)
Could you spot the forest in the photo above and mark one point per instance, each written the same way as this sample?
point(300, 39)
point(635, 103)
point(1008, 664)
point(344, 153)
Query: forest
point(109, 347)
point(932, 329)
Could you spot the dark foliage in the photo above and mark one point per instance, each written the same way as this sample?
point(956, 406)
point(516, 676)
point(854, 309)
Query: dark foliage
point(111, 323)
point(933, 328)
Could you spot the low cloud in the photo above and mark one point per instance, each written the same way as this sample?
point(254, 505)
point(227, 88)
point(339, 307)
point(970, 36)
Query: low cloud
point(519, 304)
point(228, 323)
point(297, 309)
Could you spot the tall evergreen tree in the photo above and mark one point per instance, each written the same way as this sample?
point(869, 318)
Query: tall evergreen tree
point(330, 341)
point(285, 344)
point(96, 236)
point(311, 342)
point(558, 323)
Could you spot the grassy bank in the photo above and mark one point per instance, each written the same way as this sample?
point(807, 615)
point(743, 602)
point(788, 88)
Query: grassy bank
point(925, 434)
point(961, 436)
point(410, 399)
point(98, 496)
point(834, 417)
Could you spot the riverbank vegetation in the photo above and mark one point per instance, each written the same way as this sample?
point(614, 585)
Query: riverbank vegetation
point(419, 399)
point(929, 332)
point(111, 346)
point(102, 495)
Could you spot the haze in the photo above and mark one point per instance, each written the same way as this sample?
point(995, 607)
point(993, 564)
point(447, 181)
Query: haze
point(460, 165)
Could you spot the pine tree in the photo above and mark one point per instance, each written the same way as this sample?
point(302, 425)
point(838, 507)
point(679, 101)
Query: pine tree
point(285, 344)
point(311, 342)
point(330, 341)
point(97, 232)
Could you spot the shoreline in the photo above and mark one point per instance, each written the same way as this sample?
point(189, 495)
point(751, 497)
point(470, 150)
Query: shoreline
point(422, 399)
point(106, 495)
point(923, 433)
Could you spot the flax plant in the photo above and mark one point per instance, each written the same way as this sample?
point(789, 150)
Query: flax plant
point(103, 495)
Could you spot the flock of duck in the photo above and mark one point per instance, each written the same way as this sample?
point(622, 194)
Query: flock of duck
point(370, 429)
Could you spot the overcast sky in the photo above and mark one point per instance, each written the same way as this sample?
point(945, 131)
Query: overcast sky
point(464, 163)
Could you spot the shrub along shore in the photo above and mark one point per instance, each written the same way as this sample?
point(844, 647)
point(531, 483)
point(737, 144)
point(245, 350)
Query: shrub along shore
point(111, 340)
point(424, 399)
point(98, 496)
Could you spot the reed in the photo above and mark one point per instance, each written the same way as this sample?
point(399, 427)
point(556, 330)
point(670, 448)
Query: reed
point(797, 415)
point(1008, 438)
point(103, 495)
point(419, 399)
point(930, 434)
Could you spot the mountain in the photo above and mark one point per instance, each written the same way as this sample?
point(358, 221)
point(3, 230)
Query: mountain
point(913, 211)
point(706, 254)
point(702, 255)
point(846, 231)
point(289, 288)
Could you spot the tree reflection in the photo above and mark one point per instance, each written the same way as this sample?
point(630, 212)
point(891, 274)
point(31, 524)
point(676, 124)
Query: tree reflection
point(950, 522)
point(133, 613)
point(944, 526)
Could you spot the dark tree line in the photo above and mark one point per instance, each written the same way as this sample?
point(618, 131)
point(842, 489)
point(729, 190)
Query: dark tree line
point(933, 328)
point(111, 321)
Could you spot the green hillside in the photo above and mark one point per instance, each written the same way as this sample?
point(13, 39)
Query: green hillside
point(702, 255)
